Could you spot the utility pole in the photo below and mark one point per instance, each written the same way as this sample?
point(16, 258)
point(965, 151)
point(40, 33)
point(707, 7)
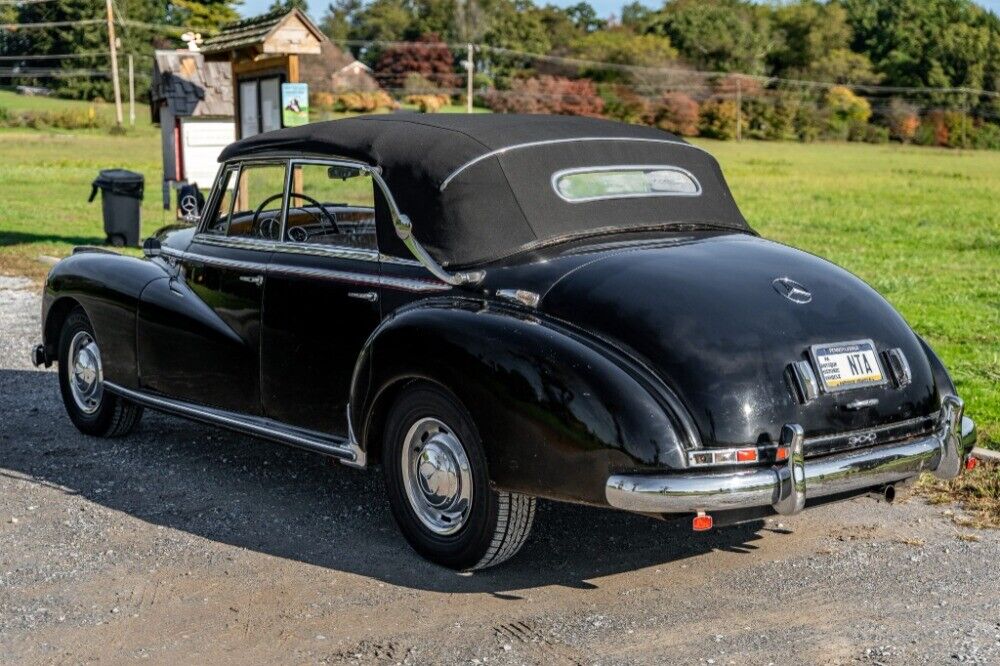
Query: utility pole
point(469, 64)
point(739, 109)
point(114, 64)
point(131, 91)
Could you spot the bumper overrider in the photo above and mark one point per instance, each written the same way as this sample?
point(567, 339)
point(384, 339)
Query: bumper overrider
point(787, 486)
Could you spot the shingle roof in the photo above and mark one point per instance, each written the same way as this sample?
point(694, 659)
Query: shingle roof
point(253, 31)
point(243, 33)
point(190, 85)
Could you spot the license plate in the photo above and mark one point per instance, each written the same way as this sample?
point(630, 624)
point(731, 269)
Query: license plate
point(847, 365)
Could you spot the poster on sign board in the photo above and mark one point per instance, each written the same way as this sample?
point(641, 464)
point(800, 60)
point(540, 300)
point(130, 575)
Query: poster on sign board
point(294, 104)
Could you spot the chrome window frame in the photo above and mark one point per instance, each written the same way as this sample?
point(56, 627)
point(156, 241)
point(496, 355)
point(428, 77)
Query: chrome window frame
point(554, 181)
point(401, 223)
point(338, 251)
point(551, 142)
point(244, 242)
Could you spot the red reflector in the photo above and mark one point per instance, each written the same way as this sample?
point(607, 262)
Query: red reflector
point(971, 462)
point(781, 453)
point(701, 522)
point(746, 455)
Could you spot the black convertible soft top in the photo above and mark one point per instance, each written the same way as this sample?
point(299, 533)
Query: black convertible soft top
point(480, 187)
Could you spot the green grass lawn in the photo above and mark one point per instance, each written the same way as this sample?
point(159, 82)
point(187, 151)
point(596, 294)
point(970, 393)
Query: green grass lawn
point(921, 225)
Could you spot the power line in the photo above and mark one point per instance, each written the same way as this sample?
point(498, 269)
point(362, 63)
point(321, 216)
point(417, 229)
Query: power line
point(48, 24)
point(63, 24)
point(54, 56)
point(579, 62)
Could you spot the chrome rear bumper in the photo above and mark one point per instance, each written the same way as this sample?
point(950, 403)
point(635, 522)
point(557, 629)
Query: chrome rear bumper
point(786, 487)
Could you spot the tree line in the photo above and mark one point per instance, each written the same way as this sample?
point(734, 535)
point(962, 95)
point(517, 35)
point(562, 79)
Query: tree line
point(920, 43)
point(652, 63)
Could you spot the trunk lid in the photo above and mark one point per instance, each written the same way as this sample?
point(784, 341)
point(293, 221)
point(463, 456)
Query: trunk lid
point(707, 318)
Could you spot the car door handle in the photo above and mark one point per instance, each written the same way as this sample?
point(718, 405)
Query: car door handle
point(253, 279)
point(369, 296)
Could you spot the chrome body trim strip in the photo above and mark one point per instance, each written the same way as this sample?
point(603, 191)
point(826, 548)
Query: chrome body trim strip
point(786, 488)
point(360, 456)
point(332, 446)
point(332, 251)
point(234, 242)
point(367, 279)
point(549, 142)
point(554, 181)
point(905, 423)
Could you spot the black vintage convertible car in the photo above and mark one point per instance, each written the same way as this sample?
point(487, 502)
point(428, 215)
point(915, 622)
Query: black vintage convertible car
point(498, 308)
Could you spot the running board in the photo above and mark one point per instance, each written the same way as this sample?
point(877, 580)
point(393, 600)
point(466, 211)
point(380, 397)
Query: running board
point(340, 448)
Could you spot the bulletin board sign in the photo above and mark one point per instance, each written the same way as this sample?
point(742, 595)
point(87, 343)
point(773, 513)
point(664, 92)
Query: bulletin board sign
point(294, 104)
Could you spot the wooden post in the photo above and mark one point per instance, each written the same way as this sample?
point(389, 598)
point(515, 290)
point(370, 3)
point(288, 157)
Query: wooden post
point(114, 64)
point(739, 109)
point(965, 115)
point(468, 81)
point(131, 90)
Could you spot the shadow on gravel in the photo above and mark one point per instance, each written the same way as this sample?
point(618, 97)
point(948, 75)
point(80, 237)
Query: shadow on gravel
point(288, 503)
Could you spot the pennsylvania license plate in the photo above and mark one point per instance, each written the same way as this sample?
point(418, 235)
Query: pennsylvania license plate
point(847, 365)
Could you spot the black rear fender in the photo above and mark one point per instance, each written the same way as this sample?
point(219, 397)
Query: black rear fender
point(556, 415)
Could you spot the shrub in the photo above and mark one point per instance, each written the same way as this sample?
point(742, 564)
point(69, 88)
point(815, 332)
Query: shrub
point(876, 134)
point(903, 120)
point(941, 128)
point(69, 119)
point(987, 137)
point(718, 119)
point(810, 121)
point(361, 102)
point(418, 84)
point(846, 110)
point(769, 120)
point(677, 113)
point(548, 94)
point(427, 103)
point(621, 103)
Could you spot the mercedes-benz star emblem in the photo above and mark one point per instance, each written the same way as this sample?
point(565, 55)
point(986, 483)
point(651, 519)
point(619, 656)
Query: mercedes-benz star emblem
point(792, 290)
point(189, 204)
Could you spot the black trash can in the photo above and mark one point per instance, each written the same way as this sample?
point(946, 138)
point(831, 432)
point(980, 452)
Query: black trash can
point(121, 197)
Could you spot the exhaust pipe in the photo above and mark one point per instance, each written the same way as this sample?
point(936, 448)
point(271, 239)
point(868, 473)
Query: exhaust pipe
point(885, 494)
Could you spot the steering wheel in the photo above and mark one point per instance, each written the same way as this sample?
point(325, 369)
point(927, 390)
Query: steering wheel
point(259, 230)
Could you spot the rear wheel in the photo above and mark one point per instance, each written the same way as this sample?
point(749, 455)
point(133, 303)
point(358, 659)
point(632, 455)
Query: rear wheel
point(438, 486)
point(93, 410)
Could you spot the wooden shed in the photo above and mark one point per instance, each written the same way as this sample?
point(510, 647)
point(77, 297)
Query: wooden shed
point(264, 53)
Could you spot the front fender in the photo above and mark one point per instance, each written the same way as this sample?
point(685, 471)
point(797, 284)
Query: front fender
point(107, 286)
point(557, 416)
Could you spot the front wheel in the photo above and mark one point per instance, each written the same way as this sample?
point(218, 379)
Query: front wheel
point(93, 410)
point(438, 486)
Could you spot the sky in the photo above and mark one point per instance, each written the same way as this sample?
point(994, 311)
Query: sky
point(604, 7)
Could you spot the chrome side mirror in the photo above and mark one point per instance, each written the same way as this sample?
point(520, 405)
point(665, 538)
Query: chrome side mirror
point(151, 247)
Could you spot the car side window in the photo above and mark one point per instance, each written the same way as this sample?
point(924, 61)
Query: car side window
point(219, 222)
point(331, 205)
point(260, 192)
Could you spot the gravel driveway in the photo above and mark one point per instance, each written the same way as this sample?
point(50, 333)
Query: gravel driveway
point(186, 543)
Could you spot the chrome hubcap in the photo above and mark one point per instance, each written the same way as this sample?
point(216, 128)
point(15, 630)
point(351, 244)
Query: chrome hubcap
point(437, 476)
point(86, 380)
